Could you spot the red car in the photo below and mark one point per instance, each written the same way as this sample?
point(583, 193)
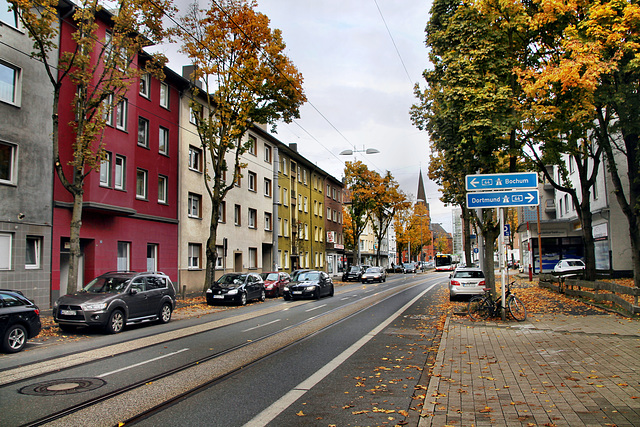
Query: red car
point(274, 282)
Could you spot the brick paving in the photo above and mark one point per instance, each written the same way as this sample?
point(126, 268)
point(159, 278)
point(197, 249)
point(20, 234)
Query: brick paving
point(551, 370)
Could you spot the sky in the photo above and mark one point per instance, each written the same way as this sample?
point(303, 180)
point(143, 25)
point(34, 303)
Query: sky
point(360, 60)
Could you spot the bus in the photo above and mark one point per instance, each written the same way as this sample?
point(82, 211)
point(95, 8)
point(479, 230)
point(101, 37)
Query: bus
point(444, 262)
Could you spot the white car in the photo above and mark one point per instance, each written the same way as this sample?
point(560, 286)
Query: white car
point(466, 281)
point(568, 267)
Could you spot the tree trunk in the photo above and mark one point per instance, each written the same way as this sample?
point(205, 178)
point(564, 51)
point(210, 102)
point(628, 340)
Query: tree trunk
point(74, 242)
point(466, 225)
point(211, 254)
point(589, 242)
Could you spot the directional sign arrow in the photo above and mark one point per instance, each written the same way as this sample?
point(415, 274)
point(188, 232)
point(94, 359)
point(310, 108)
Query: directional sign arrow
point(473, 182)
point(497, 199)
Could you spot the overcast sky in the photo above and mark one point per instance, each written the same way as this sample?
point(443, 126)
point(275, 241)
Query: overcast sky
point(359, 84)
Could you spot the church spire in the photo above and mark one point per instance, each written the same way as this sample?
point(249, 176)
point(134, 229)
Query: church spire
point(422, 196)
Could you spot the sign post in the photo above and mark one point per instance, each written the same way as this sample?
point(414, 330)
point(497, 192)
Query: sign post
point(499, 191)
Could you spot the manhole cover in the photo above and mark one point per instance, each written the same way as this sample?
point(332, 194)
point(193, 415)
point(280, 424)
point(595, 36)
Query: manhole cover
point(63, 386)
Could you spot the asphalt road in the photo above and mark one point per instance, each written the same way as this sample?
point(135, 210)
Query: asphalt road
point(353, 359)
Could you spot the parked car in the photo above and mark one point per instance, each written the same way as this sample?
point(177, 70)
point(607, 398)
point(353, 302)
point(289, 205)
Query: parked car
point(354, 273)
point(19, 320)
point(408, 267)
point(238, 288)
point(118, 298)
point(374, 274)
point(466, 281)
point(274, 283)
point(308, 284)
point(569, 267)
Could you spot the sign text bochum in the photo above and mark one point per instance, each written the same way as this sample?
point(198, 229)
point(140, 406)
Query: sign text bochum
point(501, 181)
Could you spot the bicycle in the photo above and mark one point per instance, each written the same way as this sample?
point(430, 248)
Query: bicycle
point(482, 306)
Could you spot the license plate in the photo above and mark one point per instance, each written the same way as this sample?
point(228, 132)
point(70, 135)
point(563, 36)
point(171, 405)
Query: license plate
point(468, 284)
point(218, 296)
point(68, 312)
point(297, 292)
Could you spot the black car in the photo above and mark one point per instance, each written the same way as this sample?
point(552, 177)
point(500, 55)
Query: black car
point(19, 320)
point(237, 288)
point(308, 284)
point(354, 273)
point(116, 299)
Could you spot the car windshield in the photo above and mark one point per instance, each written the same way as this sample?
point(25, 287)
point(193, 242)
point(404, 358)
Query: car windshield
point(307, 275)
point(231, 280)
point(407, 265)
point(269, 276)
point(469, 275)
point(107, 285)
point(372, 270)
point(575, 263)
point(354, 269)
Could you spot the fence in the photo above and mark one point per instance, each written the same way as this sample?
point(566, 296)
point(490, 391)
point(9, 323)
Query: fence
point(596, 291)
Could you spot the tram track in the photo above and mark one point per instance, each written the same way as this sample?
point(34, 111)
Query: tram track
point(164, 389)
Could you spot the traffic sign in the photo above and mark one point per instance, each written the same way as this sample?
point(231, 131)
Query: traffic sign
point(498, 199)
point(502, 181)
point(507, 230)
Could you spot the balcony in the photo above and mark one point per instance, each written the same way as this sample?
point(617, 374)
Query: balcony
point(550, 206)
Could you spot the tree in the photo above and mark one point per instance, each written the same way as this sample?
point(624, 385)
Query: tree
point(411, 225)
point(359, 182)
point(387, 199)
point(246, 78)
point(98, 69)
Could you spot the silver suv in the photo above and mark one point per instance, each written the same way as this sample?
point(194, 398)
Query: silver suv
point(116, 299)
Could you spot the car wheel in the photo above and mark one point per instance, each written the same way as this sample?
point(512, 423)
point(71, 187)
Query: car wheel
point(286, 297)
point(165, 313)
point(14, 339)
point(263, 296)
point(115, 323)
point(243, 299)
point(316, 294)
point(331, 291)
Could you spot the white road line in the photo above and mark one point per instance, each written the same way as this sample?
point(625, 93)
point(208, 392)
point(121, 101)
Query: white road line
point(315, 308)
point(142, 363)
point(270, 413)
point(260, 326)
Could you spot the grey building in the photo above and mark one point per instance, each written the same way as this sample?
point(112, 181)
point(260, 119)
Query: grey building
point(26, 164)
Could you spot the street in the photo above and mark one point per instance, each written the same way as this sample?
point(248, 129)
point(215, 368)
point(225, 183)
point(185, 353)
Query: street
point(352, 359)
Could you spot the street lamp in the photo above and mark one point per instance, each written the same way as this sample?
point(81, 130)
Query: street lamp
point(366, 151)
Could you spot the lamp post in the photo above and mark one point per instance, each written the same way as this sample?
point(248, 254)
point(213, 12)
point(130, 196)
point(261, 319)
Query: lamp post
point(366, 151)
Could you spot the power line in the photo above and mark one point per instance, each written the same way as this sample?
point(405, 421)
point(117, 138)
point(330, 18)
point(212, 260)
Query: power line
point(394, 43)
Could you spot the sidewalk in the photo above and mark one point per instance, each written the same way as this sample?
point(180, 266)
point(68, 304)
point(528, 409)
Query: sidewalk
point(551, 370)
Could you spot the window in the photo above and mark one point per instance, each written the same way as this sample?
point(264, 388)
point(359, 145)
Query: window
point(566, 203)
point(34, 252)
point(107, 110)
point(105, 171)
point(315, 207)
point(328, 190)
point(595, 190)
point(124, 256)
point(267, 187)
point(5, 251)
point(279, 226)
point(253, 145)
point(6, 16)
point(306, 231)
point(333, 194)
point(8, 158)
point(9, 83)
point(194, 116)
point(238, 175)
point(285, 196)
point(164, 95)
point(306, 205)
point(320, 209)
point(253, 258)
point(253, 218)
point(194, 206)
point(222, 212)
point(195, 253)
point(286, 227)
point(163, 189)
point(286, 260)
point(237, 215)
point(152, 257)
point(163, 141)
point(267, 153)
point(195, 159)
point(304, 176)
point(299, 173)
point(141, 184)
point(121, 114)
point(299, 203)
point(315, 233)
point(220, 257)
point(320, 234)
point(143, 132)
point(253, 181)
point(284, 166)
point(329, 214)
point(145, 84)
point(120, 175)
point(335, 215)
point(268, 223)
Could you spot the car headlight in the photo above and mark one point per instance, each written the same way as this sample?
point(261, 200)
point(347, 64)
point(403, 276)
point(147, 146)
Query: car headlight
point(232, 292)
point(311, 288)
point(286, 289)
point(209, 291)
point(94, 307)
point(55, 305)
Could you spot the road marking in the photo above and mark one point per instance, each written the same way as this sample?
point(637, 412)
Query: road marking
point(260, 326)
point(315, 308)
point(142, 363)
point(270, 413)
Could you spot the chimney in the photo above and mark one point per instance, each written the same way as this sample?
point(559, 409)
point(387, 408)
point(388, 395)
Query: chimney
point(293, 146)
point(187, 73)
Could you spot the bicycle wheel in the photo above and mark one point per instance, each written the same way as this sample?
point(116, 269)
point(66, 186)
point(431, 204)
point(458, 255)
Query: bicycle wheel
point(517, 309)
point(478, 308)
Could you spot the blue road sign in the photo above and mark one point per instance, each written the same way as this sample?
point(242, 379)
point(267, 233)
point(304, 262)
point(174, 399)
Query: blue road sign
point(507, 230)
point(502, 181)
point(498, 199)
